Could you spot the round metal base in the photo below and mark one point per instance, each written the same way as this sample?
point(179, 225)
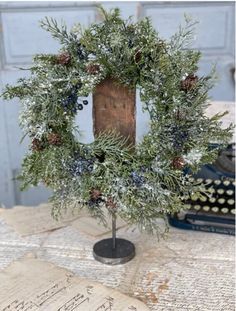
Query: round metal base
point(124, 251)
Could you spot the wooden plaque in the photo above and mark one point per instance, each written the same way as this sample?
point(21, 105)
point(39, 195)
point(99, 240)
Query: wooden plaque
point(114, 108)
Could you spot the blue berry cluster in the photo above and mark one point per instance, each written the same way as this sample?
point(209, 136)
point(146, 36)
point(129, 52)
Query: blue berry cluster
point(179, 136)
point(95, 202)
point(130, 44)
point(81, 165)
point(137, 179)
point(81, 52)
point(70, 103)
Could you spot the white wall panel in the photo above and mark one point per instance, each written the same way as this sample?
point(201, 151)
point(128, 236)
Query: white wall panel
point(6, 186)
point(213, 31)
point(22, 36)
point(214, 36)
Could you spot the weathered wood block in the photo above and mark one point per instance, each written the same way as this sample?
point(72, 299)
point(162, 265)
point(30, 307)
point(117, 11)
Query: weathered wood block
point(114, 108)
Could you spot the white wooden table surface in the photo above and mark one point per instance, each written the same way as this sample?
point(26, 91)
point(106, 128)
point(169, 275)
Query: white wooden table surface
point(188, 271)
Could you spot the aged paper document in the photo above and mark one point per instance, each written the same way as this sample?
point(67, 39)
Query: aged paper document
point(29, 220)
point(91, 226)
point(31, 284)
point(32, 220)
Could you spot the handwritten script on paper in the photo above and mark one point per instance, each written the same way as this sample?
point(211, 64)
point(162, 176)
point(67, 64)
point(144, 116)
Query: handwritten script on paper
point(34, 285)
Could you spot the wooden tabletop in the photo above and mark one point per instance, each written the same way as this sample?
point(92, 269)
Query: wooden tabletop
point(188, 271)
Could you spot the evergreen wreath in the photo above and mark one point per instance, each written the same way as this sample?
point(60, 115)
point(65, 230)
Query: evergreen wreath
point(140, 183)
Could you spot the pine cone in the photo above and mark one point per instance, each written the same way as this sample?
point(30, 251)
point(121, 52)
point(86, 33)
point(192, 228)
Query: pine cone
point(37, 145)
point(189, 83)
point(138, 56)
point(111, 204)
point(46, 182)
point(178, 163)
point(93, 69)
point(179, 115)
point(54, 139)
point(95, 194)
point(64, 58)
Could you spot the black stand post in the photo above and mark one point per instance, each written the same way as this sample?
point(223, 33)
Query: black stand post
point(114, 251)
point(113, 231)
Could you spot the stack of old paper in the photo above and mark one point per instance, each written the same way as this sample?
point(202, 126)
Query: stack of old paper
point(31, 284)
point(93, 227)
point(33, 220)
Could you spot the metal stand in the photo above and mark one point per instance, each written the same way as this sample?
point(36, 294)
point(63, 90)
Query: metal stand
point(114, 251)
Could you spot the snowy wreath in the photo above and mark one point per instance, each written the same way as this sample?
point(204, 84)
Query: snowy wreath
point(140, 183)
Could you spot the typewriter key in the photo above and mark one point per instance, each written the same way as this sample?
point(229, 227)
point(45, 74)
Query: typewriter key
point(208, 181)
point(215, 209)
point(230, 192)
point(206, 208)
point(226, 182)
point(203, 199)
point(212, 200)
point(221, 201)
point(217, 182)
point(197, 207)
point(211, 190)
point(231, 201)
point(187, 206)
point(220, 191)
point(224, 210)
point(199, 180)
point(233, 211)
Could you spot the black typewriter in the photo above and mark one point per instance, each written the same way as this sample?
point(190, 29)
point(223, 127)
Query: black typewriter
point(217, 213)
